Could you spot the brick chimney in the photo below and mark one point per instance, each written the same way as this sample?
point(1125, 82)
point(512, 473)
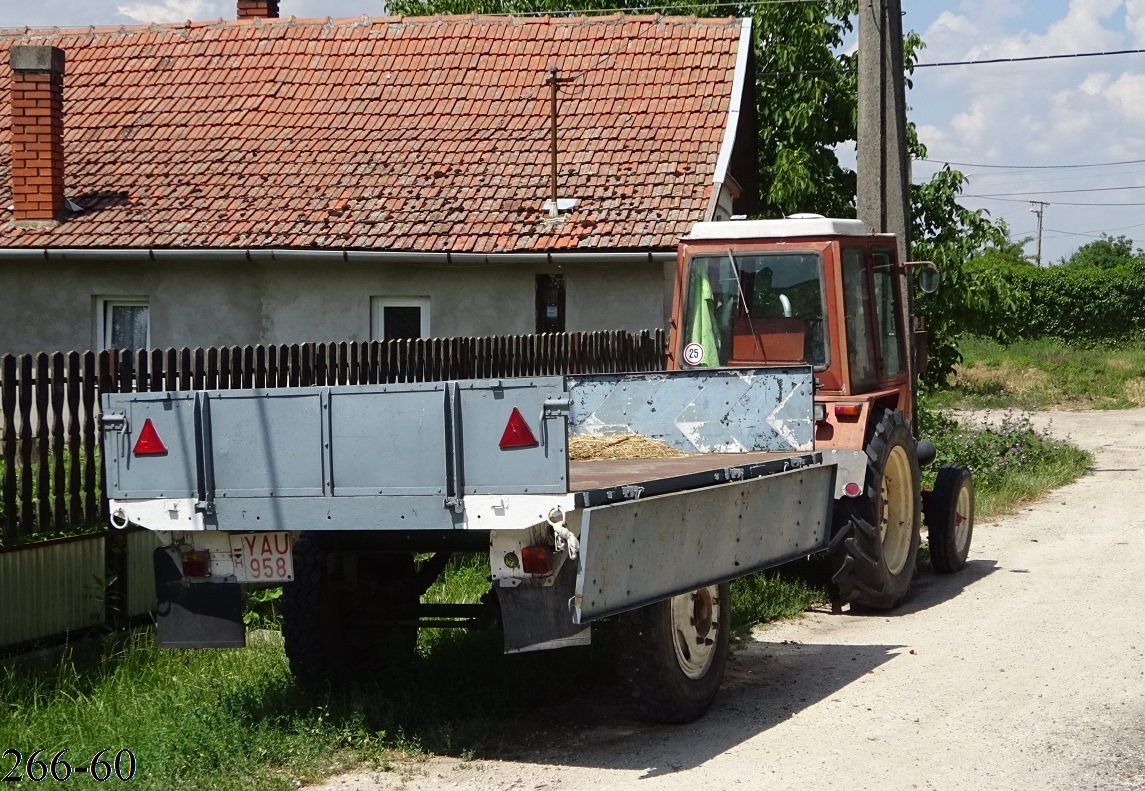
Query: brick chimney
point(37, 136)
point(264, 9)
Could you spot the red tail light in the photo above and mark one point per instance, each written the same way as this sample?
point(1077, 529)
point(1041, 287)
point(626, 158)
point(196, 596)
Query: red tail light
point(149, 443)
point(517, 433)
point(537, 559)
point(848, 410)
point(197, 563)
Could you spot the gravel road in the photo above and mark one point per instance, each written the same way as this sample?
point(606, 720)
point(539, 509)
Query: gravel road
point(1024, 671)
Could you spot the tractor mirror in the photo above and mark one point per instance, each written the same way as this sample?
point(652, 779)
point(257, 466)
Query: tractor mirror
point(929, 278)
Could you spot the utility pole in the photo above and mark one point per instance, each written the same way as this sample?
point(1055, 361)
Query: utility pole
point(883, 161)
point(1038, 207)
point(883, 177)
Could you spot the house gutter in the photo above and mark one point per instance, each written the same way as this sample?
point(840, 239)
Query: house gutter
point(739, 80)
point(272, 255)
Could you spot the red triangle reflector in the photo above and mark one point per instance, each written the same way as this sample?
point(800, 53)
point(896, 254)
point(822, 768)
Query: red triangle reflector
point(149, 443)
point(517, 433)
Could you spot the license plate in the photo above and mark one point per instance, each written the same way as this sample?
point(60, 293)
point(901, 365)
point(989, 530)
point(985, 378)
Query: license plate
point(262, 557)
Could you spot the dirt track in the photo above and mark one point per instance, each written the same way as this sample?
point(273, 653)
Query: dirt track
point(1026, 670)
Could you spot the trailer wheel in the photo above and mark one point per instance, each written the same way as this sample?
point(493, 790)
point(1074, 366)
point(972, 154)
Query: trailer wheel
point(950, 518)
point(330, 625)
point(875, 551)
point(672, 654)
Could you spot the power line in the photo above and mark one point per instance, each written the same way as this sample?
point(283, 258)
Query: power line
point(1056, 203)
point(655, 8)
point(1029, 58)
point(1056, 192)
point(935, 160)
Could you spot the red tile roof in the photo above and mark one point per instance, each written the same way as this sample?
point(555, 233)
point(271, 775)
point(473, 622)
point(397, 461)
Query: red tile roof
point(384, 133)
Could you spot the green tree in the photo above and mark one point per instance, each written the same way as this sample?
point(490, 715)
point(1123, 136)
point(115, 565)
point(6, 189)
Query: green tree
point(947, 233)
point(805, 106)
point(1107, 252)
point(1008, 252)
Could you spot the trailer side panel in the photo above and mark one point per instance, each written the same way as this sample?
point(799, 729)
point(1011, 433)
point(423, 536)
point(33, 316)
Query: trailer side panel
point(642, 551)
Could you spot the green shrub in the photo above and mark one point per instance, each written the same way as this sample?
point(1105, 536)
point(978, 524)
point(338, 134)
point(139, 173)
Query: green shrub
point(1083, 306)
point(1012, 460)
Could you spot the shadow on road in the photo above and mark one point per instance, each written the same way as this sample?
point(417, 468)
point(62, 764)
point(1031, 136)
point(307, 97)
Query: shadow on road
point(932, 589)
point(767, 684)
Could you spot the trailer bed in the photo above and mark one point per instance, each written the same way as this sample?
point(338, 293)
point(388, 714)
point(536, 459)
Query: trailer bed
point(613, 480)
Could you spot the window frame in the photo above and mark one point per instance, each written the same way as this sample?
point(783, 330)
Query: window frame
point(895, 292)
point(378, 305)
point(104, 304)
point(866, 321)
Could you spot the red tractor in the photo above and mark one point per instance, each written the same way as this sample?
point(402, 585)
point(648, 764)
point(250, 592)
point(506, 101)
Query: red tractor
point(831, 294)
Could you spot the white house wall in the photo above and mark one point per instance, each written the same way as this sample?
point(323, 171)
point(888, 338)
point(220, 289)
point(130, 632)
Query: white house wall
point(50, 305)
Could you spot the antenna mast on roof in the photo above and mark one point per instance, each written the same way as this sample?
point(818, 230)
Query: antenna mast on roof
point(553, 81)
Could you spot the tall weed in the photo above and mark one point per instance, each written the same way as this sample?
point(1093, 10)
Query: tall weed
point(1012, 460)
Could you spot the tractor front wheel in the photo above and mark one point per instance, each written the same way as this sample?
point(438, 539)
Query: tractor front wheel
point(950, 518)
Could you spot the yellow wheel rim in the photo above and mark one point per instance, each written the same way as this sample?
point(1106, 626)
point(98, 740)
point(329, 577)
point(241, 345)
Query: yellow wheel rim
point(963, 519)
point(896, 520)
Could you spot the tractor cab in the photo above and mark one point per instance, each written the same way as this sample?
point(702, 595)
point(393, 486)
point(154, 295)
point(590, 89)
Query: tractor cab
point(808, 289)
point(833, 295)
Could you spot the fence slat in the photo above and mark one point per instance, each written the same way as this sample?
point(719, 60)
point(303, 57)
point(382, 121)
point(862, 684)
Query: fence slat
point(25, 445)
point(59, 488)
point(92, 485)
point(8, 413)
point(75, 448)
point(42, 462)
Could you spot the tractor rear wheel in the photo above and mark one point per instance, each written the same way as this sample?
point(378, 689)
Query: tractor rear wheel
point(875, 551)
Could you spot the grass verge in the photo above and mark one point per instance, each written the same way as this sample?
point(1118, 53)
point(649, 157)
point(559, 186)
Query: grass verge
point(1043, 374)
point(1012, 460)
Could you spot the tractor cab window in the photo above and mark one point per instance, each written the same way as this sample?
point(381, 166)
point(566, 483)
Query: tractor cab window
point(885, 280)
point(860, 344)
point(754, 308)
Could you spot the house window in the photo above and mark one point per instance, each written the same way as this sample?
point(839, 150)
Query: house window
point(123, 323)
point(550, 303)
point(393, 318)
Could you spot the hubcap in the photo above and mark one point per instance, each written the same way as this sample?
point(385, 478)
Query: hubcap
point(962, 517)
point(896, 519)
point(697, 618)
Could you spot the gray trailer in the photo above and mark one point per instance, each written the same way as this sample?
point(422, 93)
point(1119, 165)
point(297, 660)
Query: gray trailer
point(354, 498)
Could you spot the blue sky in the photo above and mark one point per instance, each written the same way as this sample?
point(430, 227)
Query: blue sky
point(1028, 121)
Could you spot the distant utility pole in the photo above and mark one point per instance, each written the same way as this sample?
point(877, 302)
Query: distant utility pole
point(883, 161)
point(1038, 207)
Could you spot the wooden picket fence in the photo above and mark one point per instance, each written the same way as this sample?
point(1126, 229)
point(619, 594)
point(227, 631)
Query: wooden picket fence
point(51, 481)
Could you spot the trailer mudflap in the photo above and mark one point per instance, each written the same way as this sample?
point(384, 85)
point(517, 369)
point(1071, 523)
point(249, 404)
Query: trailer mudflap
point(194, 615)
point(642, 551)
point(535, 618)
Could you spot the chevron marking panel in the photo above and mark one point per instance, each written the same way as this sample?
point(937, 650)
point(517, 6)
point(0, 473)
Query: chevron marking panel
point(722, 411)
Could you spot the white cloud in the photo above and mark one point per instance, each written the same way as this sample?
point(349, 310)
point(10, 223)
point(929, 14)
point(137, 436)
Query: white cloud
point(1058, 112)
point(172, 11)
point(1125, 94)
point(1135, 21)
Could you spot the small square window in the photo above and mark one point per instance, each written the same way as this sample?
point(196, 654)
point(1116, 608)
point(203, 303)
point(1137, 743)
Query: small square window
point(394, 318)
point(123, 323)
